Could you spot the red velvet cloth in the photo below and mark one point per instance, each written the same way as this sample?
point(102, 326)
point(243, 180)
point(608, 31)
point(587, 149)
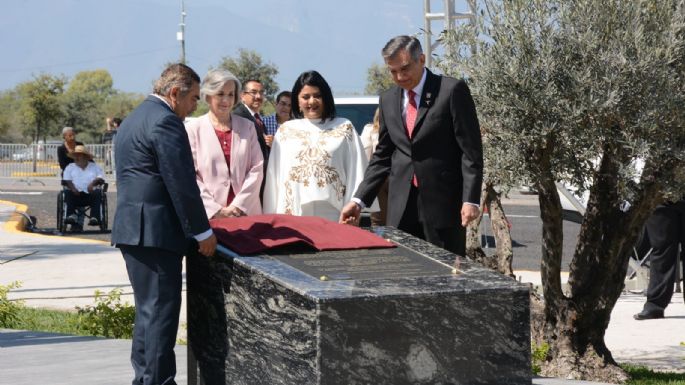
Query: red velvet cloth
point(258, 233)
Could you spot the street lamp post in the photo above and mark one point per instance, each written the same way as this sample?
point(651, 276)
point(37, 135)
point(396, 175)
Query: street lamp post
point(180, 35)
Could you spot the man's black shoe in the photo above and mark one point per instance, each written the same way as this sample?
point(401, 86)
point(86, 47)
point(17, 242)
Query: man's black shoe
point(93, 222)
point(649, 314)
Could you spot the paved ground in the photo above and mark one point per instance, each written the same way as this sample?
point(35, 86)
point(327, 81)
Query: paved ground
point(31, 358)
point(62, 272)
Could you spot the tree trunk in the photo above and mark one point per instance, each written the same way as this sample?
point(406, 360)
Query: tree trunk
point(575, 323)
point(501, 260)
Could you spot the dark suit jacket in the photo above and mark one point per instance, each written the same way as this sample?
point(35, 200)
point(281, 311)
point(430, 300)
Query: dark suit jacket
point(158, 201)
point(241, 110)
point(445, 152)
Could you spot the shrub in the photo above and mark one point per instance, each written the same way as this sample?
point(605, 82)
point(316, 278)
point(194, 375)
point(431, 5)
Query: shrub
point(538, 355)
point(108, 317)
point(9, 309)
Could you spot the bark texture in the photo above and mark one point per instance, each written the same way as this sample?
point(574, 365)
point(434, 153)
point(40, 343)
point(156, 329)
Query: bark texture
point(575, 321)
point(502, 259)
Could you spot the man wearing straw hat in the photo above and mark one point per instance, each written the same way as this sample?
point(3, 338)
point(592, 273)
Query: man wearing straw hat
point(81, 178)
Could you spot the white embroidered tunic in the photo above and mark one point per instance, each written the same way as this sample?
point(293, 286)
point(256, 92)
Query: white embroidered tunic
point(314, 168)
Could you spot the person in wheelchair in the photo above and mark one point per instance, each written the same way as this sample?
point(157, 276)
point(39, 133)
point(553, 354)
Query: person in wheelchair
point(82, 179)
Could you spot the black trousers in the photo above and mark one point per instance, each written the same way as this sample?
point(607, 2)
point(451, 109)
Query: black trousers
point(665, 229)
point(94, 200)
point(449, 238)
point(155, 275)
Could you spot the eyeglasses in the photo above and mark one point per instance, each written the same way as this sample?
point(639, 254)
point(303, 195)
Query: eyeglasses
point(284, 104)
point(254, 93)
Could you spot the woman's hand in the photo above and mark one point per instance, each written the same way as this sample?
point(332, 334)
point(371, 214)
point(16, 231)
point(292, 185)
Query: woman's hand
point(229, 212)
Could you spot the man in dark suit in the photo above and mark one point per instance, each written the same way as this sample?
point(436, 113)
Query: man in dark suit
point(159, 212)
point(252, 99)
point(430, 146)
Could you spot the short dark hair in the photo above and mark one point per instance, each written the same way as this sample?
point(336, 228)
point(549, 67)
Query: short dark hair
point(176, 75)
point(116, 121)
point(252, 80)
point(282, 94)
point(398, 43)
point(314, 79)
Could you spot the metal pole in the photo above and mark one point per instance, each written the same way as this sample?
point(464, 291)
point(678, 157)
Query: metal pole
point(448, 17)
point(427, 34)
point(181, 35)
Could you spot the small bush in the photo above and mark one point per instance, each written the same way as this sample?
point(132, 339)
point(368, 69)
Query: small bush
point(9, 310)
point(538, 356)
point(108, 317)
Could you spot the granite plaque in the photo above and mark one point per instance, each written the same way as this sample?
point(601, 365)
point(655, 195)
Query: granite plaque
point(365, 264)
point(255, 320)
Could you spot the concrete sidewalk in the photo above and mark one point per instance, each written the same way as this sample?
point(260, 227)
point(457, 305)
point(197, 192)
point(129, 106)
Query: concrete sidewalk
point(62, 273)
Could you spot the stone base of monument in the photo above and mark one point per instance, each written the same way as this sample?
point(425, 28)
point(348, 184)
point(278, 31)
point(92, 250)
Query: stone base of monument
point(415, 314)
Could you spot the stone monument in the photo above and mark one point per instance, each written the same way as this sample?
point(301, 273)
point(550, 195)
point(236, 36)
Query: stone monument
point(415, 314)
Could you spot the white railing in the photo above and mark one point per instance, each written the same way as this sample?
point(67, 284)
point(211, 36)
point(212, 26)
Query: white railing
point(23, 161)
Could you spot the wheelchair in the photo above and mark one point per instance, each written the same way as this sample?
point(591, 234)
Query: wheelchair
point(81, 212)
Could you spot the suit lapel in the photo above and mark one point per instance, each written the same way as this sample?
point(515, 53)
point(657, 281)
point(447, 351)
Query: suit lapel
point(397, 111)
point(428, 96)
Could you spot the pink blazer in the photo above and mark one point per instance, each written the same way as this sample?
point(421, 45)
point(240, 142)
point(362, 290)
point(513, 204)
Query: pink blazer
point(212, 174)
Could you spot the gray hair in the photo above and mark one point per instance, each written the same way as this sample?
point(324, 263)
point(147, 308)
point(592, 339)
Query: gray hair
point(398, 43)
point(215, 80)
point(67, 129)
point(176, 75)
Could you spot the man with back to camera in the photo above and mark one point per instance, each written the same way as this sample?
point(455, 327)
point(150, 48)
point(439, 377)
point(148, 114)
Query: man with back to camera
point(430, 146)
point(159, 212)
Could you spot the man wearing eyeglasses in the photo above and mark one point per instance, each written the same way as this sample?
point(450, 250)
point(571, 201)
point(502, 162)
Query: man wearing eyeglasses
point(279, 117)
point(252, 98)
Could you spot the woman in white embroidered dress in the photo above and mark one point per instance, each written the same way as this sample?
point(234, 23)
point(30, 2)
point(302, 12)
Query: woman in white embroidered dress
point(317, 160)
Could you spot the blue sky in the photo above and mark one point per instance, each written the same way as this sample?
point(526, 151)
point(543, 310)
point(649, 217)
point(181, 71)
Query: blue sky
point(133, 39)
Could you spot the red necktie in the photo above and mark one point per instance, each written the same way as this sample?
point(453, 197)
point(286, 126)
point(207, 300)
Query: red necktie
point(410, 119)
point(410, 116)
point(259, 123)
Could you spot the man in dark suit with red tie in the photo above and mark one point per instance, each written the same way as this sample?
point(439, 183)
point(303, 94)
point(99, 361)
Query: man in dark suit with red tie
point(430, 146)
point(252, 98)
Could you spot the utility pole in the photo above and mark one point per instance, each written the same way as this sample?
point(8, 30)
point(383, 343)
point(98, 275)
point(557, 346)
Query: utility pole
point(181, 35)
point(448, 16)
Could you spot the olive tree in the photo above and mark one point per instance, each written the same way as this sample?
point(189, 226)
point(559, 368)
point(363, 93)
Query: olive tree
point(580, 92)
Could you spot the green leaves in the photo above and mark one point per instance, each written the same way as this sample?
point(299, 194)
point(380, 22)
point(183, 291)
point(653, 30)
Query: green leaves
point(108, 317)
point(378, 79)
point(9, 309)
point(249, 65)
point(570, 78)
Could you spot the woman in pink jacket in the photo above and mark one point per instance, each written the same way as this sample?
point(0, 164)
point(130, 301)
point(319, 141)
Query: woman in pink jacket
point(228, 159)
